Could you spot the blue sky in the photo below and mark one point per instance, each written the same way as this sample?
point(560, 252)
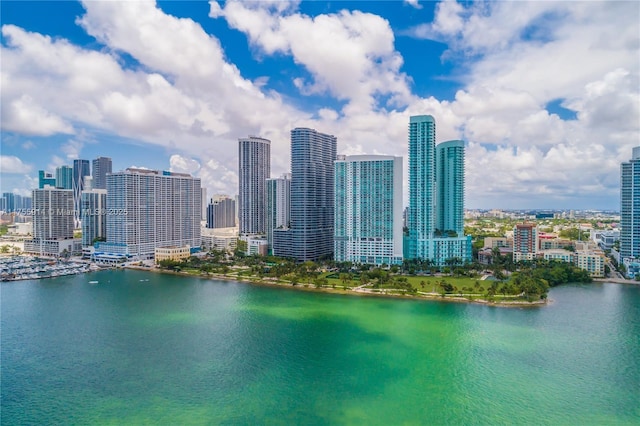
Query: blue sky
point(545, 94)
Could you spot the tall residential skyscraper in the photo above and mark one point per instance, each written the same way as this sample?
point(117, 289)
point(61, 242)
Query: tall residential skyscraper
point(81, 168)
point(278, 205)
point(368, 209)
point(422, 147)
point(148, 209)
point(46, 178)
point(53, 214)
point(94, 216)
point(310, 236)
point(254, 169)
point(221, 213)
point(203, 197)
point(436, 196)
point(64, 177)
point(630, 207)
point(100, 167)
point(450, 187)
point(52, 223)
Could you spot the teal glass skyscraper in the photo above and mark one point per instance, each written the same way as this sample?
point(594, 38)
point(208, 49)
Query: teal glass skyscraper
point(420, 218)
point(45, 178)
point(368, 209)
point(64, 177)
point(435, 218)
point(450, 188)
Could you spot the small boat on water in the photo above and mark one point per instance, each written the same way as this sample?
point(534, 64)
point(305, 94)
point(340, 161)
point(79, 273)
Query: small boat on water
point(93, 282)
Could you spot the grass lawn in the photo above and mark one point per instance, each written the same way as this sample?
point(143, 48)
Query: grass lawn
point(431, 283)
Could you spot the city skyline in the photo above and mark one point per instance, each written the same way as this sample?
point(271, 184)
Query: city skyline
point(545, 95)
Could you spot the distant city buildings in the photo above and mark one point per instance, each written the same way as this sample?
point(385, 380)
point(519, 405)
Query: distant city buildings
point(81, 169)
point(14, 203)
point(221, 213)
point(64, 177)
point(147, 209)
point(101, 166)
point(310, 234)
point(9, 201)
point(630, 213)
point(254, 168)
point(46, 178)
point(368, 209)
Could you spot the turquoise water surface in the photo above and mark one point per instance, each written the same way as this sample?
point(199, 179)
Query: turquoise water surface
point(144, 348)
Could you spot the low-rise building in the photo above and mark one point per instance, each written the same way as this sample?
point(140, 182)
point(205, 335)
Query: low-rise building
point(172, 253)
point(591, 261)
point(256, 245)
point(53, 248)
point(605, 238)
point(220, 238)
point(558, 254)
point(492, 242)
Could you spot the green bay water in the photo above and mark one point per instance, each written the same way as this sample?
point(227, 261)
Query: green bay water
point(145, 348)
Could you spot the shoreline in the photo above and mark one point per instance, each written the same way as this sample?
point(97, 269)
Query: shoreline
point(616, 281)
point(351, 291)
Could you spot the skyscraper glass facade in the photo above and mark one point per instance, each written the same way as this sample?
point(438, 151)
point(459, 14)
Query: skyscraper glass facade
point(450, 188)
point(310, 236)
point(368, 209)
point(630, 206)
point(81, 168)
point(422, 146)
point(64, 177)
point(221, 213)
point(254, 169)
point(100, 167)
point(278, 205)
point(45, 178)
point(436, 197)
point(94, 216)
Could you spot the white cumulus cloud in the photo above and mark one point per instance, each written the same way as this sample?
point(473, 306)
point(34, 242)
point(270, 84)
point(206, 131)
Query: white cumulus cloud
point(13, 164)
